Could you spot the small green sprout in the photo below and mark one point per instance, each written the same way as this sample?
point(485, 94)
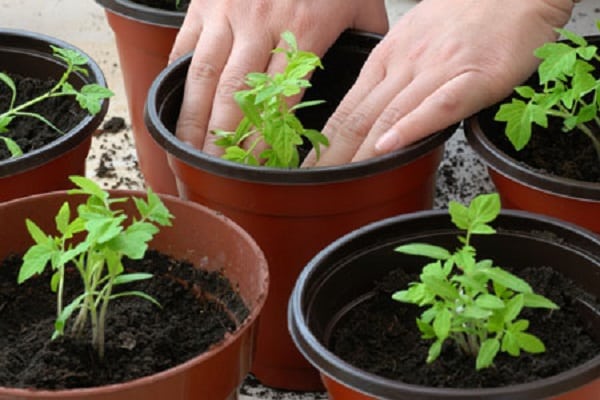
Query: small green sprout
point(97, 256)
point(267, 116)
point(89, 97)
point(568, 91)
point(470, 301)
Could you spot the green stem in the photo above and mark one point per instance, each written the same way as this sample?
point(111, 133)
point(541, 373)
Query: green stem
point(595, 141)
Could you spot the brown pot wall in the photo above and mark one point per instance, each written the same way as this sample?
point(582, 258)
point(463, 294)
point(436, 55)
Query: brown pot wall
point(205, 238)
point(349, 267)
point(144, 37)
point(47, 168)
point(294, 213)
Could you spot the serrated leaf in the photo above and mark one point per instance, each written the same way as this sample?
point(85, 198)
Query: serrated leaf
point(34, 261)
point(426, 329)
point(90, 97)
point(459, 214)
point(558, 60)
point(485, 207)
point(440, 287)
point(519, 117)
point(62, 218)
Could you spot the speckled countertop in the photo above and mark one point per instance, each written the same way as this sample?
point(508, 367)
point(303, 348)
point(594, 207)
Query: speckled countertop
point(112, 160)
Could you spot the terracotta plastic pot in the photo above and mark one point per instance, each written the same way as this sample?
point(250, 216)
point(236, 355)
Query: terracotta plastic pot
point(294, 213)
point(144, 37)
point(522, 187)
point(343, 274)
point(47, 168)
point(205, 238)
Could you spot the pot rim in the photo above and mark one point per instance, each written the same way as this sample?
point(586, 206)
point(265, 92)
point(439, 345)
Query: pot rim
point(144, 14)
point(509, 167)
point(198, 159)
point(227, 341)
point(74, 136)
point(339, 370)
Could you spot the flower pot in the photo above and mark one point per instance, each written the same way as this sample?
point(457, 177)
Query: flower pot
point(343, 275)
point(48, 167)
point(209, 241)
point(525, 188)
point(294, 213)
point(144, 37)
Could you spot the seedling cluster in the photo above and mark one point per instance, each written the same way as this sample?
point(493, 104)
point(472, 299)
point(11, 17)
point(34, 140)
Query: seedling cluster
point(104, 237)
point(471, 302)
point(568, 90)
point(269, 119)
point(89, 97)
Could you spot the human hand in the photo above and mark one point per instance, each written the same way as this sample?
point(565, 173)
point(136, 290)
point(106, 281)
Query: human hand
point(441, 62)
point(231, 38)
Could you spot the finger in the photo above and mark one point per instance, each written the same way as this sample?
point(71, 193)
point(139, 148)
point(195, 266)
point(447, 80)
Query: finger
point(246, 56)
point(450, 103)
point(207, 63)
point(186, 38)
point(404, 101)
point(348, 127)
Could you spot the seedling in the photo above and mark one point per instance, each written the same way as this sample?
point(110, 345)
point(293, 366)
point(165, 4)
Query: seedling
point(568, 90)
point(267, 117)
point(89, 96)
point(103, 239)
point(472, 302)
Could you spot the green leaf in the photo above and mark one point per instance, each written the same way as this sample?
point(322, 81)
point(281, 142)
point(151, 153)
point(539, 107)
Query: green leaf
point(7, 80)
point(63, 217)
point(132, 277)
point(572, 36)
point(136, 293)
point(459, 214)
point(90, 97)
point(13, 147)
point(424, 249)
point(489, 302)
point(426, 329)
point(440, 286)
point(61, 320)
point(558, 60)
point(434, 351)
point(487, 352)
point(510, 344)
point(442, 324)
point(34, 261)
point(530, 343)
point(485, 207)
point(519, 117)
point(534, 300)
point(507, 279)
point(514, 307)
point(88, 187)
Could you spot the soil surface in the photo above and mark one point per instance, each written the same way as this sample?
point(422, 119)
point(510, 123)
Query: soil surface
point(380, 336)
point(31, 133)
point(141, 339)
point(170, 5)
point(552, 151)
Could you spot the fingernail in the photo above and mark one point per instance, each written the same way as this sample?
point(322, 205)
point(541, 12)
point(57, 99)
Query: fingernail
point(386, 143)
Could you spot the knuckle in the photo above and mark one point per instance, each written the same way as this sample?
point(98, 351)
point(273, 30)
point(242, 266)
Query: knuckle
point(355, 126)
point(202, 71)
point(228, 86)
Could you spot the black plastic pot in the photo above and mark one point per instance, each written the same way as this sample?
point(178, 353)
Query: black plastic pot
point(293, 213)
point(144, 37)
point(47, 168)
point(342, 275)
point(524, 188)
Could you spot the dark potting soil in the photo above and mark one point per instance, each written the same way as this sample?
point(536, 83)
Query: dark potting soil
point(141, 338)
point(552, 151)
point(380, 336)
point(170, 5)
point(31, 133)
